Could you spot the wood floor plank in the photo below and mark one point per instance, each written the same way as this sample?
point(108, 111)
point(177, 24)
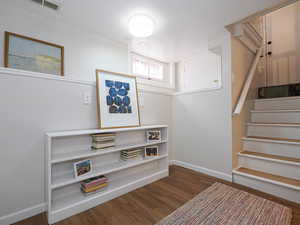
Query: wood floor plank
point(148, 205)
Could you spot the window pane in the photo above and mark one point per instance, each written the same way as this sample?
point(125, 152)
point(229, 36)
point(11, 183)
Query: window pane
point(156, 71)
point(147, 67)
point(140, 67)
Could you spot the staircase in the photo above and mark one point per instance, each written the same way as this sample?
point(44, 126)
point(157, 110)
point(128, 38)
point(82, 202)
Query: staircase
point(270, 160)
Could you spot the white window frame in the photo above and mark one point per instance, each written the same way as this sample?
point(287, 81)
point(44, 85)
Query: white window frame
point(168, 73)
point(149, 61)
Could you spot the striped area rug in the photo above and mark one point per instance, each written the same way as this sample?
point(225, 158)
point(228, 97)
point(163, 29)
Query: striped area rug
point(224, 205)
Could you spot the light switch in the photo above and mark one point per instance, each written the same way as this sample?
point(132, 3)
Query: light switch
point(141, 100)
point(87, 98)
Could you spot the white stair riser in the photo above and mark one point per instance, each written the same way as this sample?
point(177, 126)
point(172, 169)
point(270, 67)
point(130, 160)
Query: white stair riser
point(288, 150)
point(275, 117)
point(277, 104)
point(276, 168)
point(274, 131)
point(273, 189)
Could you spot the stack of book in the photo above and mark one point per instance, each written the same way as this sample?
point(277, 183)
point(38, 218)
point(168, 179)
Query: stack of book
point(93, 185)
point(101, 141)
point(133, 154)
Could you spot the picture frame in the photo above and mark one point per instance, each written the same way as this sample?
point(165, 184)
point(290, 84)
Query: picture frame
point(117, 100)
point(82, 168)
point(30, 54)
point(151, 151)
point(153, 136)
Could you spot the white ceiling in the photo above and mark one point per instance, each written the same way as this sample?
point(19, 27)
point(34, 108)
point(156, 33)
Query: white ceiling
point(183, 24)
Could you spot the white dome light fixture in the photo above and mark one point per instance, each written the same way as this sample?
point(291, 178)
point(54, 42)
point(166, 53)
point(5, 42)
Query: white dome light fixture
point(141, 26)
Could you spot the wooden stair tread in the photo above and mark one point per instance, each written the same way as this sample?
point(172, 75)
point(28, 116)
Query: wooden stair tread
point(275, 110)
point(275, 123)
point(277, 99)
point(269, 176)
point(274, 139)
point(289, 159)
point(279, 124)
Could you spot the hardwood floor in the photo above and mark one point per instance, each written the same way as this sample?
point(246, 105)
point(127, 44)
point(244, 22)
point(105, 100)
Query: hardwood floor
point(148, 205)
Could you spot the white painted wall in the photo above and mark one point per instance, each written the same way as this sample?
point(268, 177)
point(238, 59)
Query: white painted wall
point(32, 106)
point(202, 123)
point(151, 47)
point(85, 51)
point(199, 71)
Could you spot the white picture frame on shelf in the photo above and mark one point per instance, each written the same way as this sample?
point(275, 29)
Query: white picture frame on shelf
point(82, 168)
point(151, 151)
point(153, 136)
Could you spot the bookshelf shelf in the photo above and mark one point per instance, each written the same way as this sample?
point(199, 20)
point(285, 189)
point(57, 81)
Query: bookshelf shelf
point(69, 156)
point(65, 180)
point(97, 131)
point(64, 148)
point(78, 197)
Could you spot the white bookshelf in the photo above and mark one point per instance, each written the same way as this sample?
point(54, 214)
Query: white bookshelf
point(63, 148)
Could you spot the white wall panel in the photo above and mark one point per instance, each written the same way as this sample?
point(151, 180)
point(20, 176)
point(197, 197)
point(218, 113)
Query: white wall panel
point(32, 106)
point(202, 123)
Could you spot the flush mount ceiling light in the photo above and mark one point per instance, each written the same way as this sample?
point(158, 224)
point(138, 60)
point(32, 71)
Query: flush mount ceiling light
point(141, 26)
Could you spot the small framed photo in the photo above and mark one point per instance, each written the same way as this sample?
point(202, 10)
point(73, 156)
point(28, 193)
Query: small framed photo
point(151, 151)
point(82, 168)
point(153, 135)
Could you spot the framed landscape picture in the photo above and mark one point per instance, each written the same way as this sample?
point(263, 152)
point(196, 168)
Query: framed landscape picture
point(117, 100)
point(30, 54)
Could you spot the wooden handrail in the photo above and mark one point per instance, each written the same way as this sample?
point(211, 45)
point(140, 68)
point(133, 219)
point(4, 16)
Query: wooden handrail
point(247, 85)
point(253, 34)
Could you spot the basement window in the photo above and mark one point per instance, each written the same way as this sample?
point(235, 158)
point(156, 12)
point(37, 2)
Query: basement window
point(152, 73)
point(148, 68)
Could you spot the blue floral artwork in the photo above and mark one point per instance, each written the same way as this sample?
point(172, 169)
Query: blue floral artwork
point(117, 98)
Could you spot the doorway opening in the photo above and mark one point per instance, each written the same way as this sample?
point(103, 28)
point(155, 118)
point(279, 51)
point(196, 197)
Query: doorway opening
point(280, 63)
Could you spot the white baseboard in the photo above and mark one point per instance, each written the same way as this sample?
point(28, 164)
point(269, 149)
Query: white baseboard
point(22, 214)
point(171, 162)
point(200, 169)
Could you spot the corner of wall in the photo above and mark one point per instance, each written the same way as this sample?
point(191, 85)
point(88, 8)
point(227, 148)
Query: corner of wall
point(242, 60)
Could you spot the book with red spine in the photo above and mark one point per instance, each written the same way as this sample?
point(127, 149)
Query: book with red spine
point(94, 181)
